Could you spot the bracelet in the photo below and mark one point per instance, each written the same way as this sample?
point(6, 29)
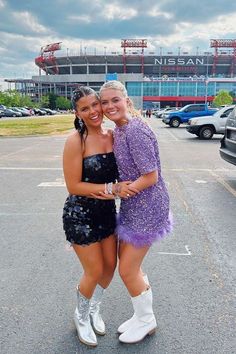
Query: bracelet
point(109, 188)
point(117, 188)
point(106, 189)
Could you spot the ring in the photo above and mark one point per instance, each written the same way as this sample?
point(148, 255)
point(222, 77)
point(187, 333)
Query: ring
point(128, 195)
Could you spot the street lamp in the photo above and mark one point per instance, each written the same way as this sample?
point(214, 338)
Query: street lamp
point(206, 93)
point(207, 73)
point(160, 62)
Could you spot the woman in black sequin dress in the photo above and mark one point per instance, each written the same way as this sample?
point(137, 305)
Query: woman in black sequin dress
point(89, 223)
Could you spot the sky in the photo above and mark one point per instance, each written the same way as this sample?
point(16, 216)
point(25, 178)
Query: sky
point(98, 26)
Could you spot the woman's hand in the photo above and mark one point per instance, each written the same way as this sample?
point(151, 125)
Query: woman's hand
point(124, 189)
point(102, 196)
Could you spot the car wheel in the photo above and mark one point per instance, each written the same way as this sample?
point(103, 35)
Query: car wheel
point(206, 133)
point(174, 123)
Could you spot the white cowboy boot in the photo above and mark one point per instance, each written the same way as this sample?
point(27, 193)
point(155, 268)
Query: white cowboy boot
point(127, 324)
point(144, 323)
point(82, 321)
point(96, 318)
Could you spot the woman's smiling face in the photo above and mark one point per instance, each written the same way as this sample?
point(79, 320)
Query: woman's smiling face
point(114, 105)
point(89, 109)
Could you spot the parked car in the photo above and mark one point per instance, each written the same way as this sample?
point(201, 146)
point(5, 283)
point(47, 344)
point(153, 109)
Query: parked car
point(205, 127)
point(39, 112)
point(1, 113)
point(228, 142)
point(25, 111)
point(174, 119)
point(9, 113)
point(160, 113)
point(49, 111)
point(19, 110)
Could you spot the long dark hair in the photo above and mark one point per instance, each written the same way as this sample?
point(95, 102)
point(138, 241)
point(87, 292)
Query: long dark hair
point(77, 94)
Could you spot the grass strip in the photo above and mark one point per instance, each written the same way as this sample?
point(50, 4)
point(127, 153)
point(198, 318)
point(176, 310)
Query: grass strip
point(37, 126)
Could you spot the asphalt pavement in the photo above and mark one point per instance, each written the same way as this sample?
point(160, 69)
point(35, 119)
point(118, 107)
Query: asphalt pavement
point(192, 271)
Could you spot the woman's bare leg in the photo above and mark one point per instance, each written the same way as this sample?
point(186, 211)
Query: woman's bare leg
point(91, 258)
point(109, 254)
point(130, 262)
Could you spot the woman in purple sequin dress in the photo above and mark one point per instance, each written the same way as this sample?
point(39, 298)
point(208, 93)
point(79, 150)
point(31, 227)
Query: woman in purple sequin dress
point(145, 217)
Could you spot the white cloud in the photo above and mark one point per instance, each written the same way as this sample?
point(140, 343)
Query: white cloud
point(114, 11)
point(2, 4)
point(82, 18)
point(188, 35)
point(156, 12)
point(29, 21)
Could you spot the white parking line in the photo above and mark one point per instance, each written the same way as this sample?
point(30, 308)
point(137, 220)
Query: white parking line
point(200, 181)
point(223, 183)
point(52, 184)
point(59, 182)
point(172, 135)
point(189, 253)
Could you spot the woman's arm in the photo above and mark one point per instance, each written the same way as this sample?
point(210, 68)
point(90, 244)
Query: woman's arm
point(145, 181)
point(143, 148)
point(72, 168)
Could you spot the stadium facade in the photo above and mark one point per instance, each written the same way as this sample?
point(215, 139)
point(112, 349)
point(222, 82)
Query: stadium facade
point(151, 80)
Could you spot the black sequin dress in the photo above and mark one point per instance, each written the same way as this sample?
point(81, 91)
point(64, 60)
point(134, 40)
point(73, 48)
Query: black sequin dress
point(87, 220)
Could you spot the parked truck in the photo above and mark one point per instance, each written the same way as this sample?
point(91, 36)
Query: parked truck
point(174, 119)
point(206, 127)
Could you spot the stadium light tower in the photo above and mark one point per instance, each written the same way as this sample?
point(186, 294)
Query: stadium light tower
point(47, 55)
point(133, 43)
point(224, 43)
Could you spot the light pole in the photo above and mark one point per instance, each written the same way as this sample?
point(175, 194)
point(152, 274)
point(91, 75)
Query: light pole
point(206, 87)
point(160, 62)
point(142, 97)
point(207, 72)
point(179, 48)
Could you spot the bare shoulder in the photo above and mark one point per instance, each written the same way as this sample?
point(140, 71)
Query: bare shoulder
point(73, 142)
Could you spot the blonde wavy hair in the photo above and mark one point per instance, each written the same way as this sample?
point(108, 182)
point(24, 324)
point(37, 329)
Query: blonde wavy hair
point(117, 85)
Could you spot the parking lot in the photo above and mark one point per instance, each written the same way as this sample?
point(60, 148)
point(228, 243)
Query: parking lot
point(192, 272)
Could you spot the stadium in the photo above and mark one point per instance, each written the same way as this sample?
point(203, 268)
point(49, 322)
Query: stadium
point(152, 79)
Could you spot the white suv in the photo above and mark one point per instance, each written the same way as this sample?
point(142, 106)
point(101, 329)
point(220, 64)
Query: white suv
point(205, 127)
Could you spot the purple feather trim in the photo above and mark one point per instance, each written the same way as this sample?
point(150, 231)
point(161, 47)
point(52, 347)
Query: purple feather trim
point(141, 239)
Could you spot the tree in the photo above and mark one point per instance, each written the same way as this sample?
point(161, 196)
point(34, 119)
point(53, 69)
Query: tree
point(44, 102)
point(63, 103)
point(222, 98)
point(15, 99)
point(52, 100)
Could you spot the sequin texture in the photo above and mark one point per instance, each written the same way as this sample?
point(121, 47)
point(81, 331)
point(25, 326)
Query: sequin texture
point(144, 218)
point(87, 220)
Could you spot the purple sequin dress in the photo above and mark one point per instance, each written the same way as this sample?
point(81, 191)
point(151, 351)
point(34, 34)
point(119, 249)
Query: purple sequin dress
point(144, 218)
